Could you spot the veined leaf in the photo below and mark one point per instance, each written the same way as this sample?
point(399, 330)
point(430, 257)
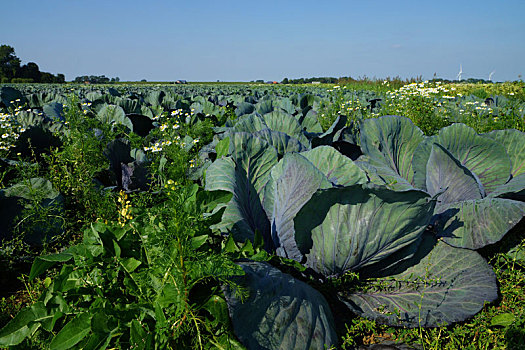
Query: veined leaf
point(476, 223)
point(446, 174)
point(280, 312)
point(447, 285)
point(390, 143)
point(338, 168)
point(484, 157)
point(72, 333)
point(292, 183)
point(344, 229)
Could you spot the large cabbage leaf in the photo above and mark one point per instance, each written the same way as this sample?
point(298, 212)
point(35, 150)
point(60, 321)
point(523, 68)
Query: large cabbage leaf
point(476, 223)
point(484, 157)
point(291, 184)
point(282, 142)
point(344, 229)
point(389, 144)
point(280, 311)
point(244, 174)
point(444, 286)
point(338, 168)
point(446, 174)
point(514, 142)
point(465, 217)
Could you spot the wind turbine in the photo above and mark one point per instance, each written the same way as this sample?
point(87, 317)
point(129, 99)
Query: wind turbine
point(460, 71)
point(491, 74)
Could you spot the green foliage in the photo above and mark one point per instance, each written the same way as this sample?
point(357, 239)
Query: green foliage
point(146, 282)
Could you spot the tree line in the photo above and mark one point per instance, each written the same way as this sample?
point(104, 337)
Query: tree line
point(11, 70)
point(96, 79)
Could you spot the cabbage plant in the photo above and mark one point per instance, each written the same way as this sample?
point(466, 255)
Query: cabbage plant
point(319, 208)
point(479, 179)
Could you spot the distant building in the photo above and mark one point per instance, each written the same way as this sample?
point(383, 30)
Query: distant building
point(316, 82)
point(271, 82)
point(181, 81)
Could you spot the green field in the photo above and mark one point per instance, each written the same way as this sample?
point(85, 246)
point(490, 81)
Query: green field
point(244, 215)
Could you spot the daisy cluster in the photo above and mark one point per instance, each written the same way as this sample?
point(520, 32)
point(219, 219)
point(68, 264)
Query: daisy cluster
point(10, 129)
point(170, 128)
point(423, 89)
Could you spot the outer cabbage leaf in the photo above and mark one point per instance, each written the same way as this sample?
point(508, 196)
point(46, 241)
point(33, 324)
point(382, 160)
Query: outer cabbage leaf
point(254, 155)
point(475, 223)
point(327, 138)
point(485, 158)
point(338, 168)
point(344, 229)
point(514, 142)
point(292, 183)
point(282, 142)
point(250, 123)
point(389, 143)
point(280, 312)
point(514, 189)
point(309, 122)
point(280, 121)
point(112, 114)
point(447, 285)
point(244, 174)
point(445, 173)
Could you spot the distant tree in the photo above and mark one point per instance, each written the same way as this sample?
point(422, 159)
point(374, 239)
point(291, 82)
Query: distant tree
point(143, 81)
point(31, 71)
point(285, 81)
point(9, 63)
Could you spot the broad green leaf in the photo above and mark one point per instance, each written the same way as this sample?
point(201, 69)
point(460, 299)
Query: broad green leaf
point(18, 328)
point(44, 262)
point(255, 156)
point(244, 174)
point(112, 114)
point(54, 110)
point(286, 123)
point(503, 320)
point(514, 143)
point(390, 143)
point(476, 223)
point(344, 229)
point(484, 157)
point(292, 183)
point(250, 124)
point(222, 147)
point(280, 311)
point(218, 308)
point(72, 333)
point(447, 285)
point(446, 174)
point(130, 264)
point(97, 341)
point(32, 188)
point(138, 336)
point(282, 142)
point(338, 168)
point(514, 189)
point(198, 241)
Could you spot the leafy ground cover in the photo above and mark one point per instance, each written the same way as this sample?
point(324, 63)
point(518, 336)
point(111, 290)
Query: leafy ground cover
point(147, 216)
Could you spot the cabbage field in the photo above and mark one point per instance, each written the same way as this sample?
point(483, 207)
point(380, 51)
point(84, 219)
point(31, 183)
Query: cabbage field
point(262, 217)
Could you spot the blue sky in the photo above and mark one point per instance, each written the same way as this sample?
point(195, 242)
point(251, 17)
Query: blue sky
point(202, 40)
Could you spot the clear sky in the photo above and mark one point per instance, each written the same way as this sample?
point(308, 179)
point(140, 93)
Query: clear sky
point(204, 40)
